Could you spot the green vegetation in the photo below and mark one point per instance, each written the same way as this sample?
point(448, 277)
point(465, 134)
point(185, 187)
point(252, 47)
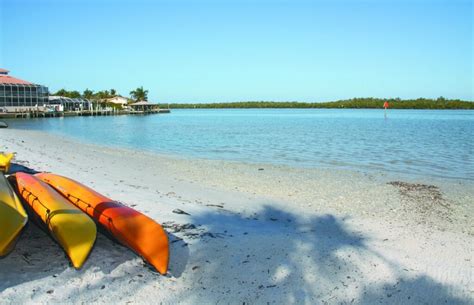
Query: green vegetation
point(88, 94)
point(99, 97)
point(102, 96)
point(396, 103)
point(71, 94)
point(139, 94)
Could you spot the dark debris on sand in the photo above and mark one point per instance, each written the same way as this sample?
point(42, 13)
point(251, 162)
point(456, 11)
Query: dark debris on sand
point(181, 212)
point(190, 231)
point(426, 200)
point(419, 192)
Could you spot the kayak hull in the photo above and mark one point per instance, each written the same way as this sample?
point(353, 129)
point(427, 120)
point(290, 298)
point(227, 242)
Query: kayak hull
point(13, 217)
point(130, 227)
point(74, 231)
point(5, 160)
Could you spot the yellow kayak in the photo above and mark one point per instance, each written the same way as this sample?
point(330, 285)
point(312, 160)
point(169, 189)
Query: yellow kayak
point(69, 226)
point(5, 160)
point(12, 217)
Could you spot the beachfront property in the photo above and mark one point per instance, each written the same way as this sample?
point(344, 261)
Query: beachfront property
point(119, 100)
point(17, 95)
point(62, 103)
point(21, 98)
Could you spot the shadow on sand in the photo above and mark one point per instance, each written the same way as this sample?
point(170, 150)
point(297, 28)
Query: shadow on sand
point(275, 256)
point(37, 256)
point(272, 256)
point(16, 167)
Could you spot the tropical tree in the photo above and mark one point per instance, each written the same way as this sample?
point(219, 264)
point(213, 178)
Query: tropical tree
point(88, 94)
point(113, 92)
point(102, 95)
point(139, 94)
point(66, 93)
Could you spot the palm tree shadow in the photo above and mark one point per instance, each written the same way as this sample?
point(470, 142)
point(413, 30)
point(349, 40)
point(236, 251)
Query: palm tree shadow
point(287, 256)
point(283, 257)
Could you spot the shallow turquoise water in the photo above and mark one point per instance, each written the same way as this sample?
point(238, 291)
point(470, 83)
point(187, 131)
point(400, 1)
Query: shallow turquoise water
point(421, 142)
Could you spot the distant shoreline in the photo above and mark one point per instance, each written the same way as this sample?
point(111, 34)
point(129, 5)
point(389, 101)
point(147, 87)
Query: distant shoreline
point(356, 103)
point(344, 108)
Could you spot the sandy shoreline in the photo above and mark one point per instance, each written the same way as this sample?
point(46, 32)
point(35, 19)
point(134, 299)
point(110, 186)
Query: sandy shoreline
point(256, 233)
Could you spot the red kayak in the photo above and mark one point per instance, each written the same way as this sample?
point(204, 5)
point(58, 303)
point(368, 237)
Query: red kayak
point(130, 227)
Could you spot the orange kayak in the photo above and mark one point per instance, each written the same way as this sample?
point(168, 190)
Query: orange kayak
point(130, 227)
point(69, 226)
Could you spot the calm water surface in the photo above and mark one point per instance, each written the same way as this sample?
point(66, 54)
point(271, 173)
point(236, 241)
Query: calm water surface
point(421, 142)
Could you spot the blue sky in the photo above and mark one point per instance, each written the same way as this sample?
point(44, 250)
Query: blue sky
point(211, 51)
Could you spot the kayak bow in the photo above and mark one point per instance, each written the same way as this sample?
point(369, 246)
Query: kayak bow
point(69, 226)
point(130, 227)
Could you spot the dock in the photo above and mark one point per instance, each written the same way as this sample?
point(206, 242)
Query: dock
point(52, 114)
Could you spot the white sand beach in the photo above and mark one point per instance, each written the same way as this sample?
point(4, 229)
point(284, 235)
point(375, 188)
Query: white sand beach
point(250, 233)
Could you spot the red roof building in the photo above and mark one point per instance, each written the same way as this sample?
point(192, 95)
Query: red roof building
point(7, 79)
point(17, 94)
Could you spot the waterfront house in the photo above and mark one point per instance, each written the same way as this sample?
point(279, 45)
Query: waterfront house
point(119, 100)
point(62, 103)
point(17, 95)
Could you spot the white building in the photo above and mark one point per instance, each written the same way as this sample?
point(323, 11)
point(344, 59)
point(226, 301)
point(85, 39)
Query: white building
point(119, 100)
point(62, 103)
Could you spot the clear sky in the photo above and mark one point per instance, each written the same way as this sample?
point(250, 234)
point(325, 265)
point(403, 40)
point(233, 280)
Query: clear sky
point(210, 51)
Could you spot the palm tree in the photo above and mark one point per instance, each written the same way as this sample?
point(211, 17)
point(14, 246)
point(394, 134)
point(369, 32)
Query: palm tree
point(88, 94)
point(139, 94)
